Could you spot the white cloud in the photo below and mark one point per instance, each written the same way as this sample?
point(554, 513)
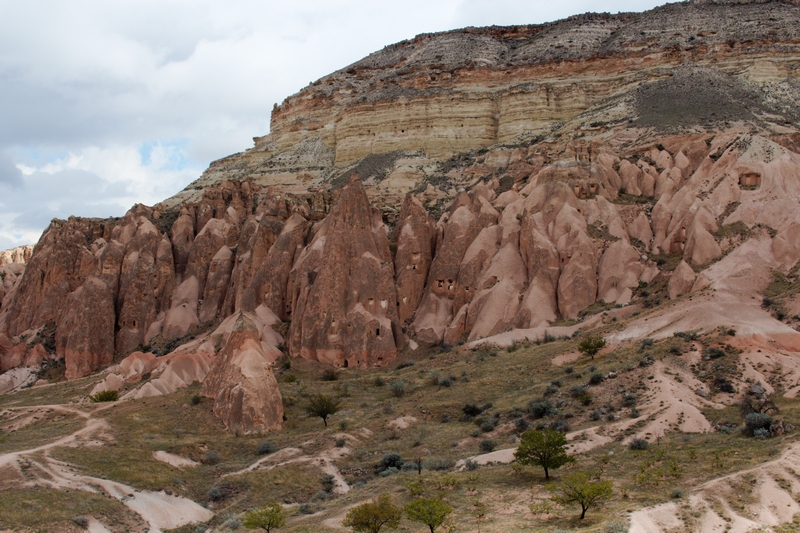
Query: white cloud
point(88, 86)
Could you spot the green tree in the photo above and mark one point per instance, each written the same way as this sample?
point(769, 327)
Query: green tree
point(546, 448)
point(270, 517)
point(591, 345)
point(579, 488)
point(428, 511)
point(323, 406)
point(370, 517)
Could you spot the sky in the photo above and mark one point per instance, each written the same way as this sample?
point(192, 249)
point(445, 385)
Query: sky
point(104, 104)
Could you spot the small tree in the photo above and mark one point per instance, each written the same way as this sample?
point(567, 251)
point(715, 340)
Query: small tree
point(579, 488)
point(428, 511)
point(323, 406)
point(270, 517)
point(546, 448)
point(370, 517)
point(591, 345)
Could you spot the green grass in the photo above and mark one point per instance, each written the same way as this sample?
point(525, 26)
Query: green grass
point(51, 510)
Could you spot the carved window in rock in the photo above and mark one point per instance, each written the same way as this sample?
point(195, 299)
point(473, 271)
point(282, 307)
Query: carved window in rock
point(416, 259)
point(450, 284)
point(593, 188)
point(750, 181)
point(333, 329)
point(440, 283)
point(378, 331)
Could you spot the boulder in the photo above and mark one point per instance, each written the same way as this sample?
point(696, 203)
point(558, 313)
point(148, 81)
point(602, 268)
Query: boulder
point(245, 393)
point(681, 280)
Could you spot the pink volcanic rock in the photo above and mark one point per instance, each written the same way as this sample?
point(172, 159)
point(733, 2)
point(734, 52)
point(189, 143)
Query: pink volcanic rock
point(541, 259)
point(456, 231)
point(342, 289)
point(216, 286)
point(618, 273)
point(271, 278)
point(85, 336)
point(681, 280)
point(146, 284)
point(246, 395)
point(415, 237)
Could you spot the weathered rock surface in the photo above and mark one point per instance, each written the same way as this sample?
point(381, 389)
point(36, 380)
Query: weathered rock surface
point(245, 392)
point(504, 178)
point(342, 288)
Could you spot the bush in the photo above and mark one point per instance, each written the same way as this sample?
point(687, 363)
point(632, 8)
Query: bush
point(266, 447)
point(215, 494)
point(761, 433)
point(568, 370)
point(390, 460)
point(446, 382)
point(328, 482)
point(556, 383)
point(549, 391)
point(469, 464)
point(322, 406)
point(340, 443)
point(398, 388)
point(638, 444)
point(211, 458)
point(596, 378)
point(329, 374)
point(305, 508)
point(272, 516)
point(471, 410)
point(715, 353)
point(195, 399)
point(541, 409)
point(81, 522)
point(727, 386)
point(687, 335)
point(487, 446)
point(756, 421)
point(437, 464)
point(520, 424)
point(577, 390)
point(405, 364)
point(676, 493)
point(379, 381)
point(591, 345)
point(488, 425)
point(105, 396)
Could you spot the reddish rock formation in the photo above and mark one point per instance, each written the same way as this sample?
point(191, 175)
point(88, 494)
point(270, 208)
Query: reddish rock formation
point(414, 236)
point(342, 288)
point(245, 392)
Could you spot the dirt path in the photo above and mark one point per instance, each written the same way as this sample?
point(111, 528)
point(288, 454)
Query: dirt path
point(325, 461)
point(158, 509)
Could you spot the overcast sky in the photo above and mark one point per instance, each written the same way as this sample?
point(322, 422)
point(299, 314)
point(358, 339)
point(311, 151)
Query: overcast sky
point(107, 103)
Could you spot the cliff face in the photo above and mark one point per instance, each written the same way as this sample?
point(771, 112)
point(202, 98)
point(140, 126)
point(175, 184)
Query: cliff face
point(452, 187)
point(428, 99)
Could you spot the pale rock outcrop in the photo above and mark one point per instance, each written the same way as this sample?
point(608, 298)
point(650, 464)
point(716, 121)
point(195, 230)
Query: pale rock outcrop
point(245, 393)
point(640, 229)
point(618, 273)
point(681, 280)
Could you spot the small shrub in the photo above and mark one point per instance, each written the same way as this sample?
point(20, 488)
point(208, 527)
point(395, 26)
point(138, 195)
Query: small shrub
point(596, 378)
point(755, 421)
point(568, 370)
point(676, 494)
point(616, 527)
point(195, 399)
point(595, 415)
point(105, 396)
point(446, 382)
point(211, 458)
point(487, 446)
point(715, 353)
point(398, 388)
point(634, 413)
point(305, 508)
point(577, 390)
point(379, 381)
point(639, 444)
point(727, 386)
point(488, 425)
point(328, 482)
point(266, 447)
point(435, 464)
point(628, 400)
point(520, 424)
point(433, 378)
point(471, 410)
point(329, 374)
point(471, 465)
point(215, 494)
point(550, 390)
point(557, 383)
point(289, 378)
point(390, 460)
point(761, 433)
point(232, 523)
point(341, 443)
point(344, 425)
point(541, 409)
point(81, 522)
point(687, 335)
